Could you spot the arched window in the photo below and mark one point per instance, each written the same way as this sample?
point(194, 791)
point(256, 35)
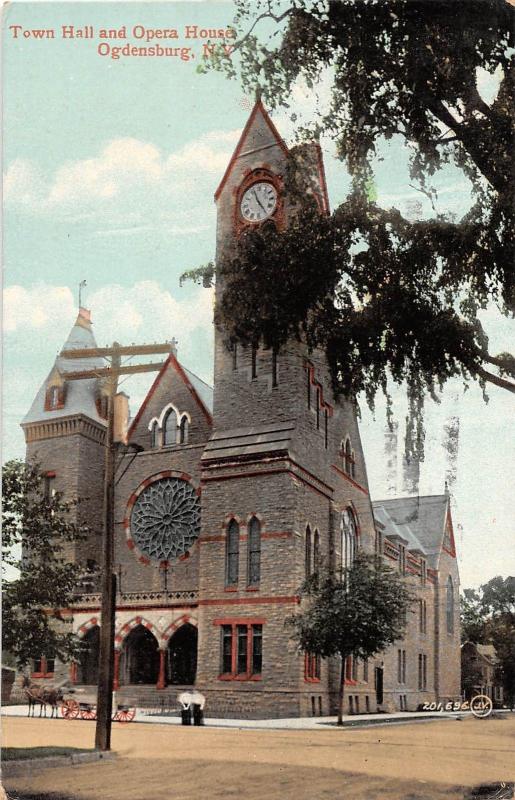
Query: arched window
point(154, 430)
point(353, 465)
point(232, 553)
point(308, 552)
point(349, 537)
point(449, 608)
point(316, 552)
point(183, 430)
point(348, 457)
point(170, 428)
point(254, 552)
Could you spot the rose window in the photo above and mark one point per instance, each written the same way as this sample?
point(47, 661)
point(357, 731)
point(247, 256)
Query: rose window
point(165, 520)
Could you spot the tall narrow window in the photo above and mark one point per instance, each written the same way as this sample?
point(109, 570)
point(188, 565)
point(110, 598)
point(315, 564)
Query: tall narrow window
point(365, 670)
point(154, 430)
point(257, 649)
point(309, 387)
point(316, 552)
point(49, 486)
point(399, 666)
point(450, 605)
point(226, 649)
point(254, 551)
point(308, 552)
point(170, 428)
point(241, 662)
point(274, 367)
point(353, 465)
point(234, 349)
point(348, 457)
point(424, 672)
point(420, 684)
point(183, 430)
point(254, 361)
point(349, 537)
point(326, 428)
point(318, 409)
point(233, 552)
point(404, 666)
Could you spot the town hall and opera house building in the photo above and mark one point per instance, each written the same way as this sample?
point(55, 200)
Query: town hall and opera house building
point(234, 495)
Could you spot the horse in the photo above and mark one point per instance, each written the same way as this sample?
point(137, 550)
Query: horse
point(44, 695)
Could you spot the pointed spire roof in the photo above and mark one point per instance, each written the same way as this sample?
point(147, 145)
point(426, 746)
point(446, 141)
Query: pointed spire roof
point(80, 396)
point(259, 133)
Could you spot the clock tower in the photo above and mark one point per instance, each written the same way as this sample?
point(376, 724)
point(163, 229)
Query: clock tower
point(283, 475)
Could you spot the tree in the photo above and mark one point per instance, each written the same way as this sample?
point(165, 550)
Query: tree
point(357, 614)
point(38, 526)
point(488, 616)
point(473, 628)
point(390, 298)
point(498, 601)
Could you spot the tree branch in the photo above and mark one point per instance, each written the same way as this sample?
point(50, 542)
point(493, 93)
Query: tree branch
point(503, 384)
point(265, 15)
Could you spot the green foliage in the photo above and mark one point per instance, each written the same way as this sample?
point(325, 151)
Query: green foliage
point(488, 616)
point(203, 275)
point(39, 527)
point(384, 296)
point(359, 614)
point(472, 618)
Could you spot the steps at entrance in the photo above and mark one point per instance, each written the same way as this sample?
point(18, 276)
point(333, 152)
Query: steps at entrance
point(163, 700)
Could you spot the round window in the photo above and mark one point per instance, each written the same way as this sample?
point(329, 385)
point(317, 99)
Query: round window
point(165, 519)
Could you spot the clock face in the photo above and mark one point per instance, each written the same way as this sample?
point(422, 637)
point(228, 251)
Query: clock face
point(258, 201)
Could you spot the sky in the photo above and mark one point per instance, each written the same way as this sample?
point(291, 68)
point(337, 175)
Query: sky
point(110, 168)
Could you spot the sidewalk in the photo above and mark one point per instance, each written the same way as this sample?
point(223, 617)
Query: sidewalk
point(148, 715)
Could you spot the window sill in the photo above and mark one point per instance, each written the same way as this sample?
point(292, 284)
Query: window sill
point(311, 680)
point(252, 589)
point(239, 678)
point(42, 675)
point(231, 589)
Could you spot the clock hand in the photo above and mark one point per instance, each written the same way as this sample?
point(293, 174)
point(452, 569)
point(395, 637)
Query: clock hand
point(258, 200)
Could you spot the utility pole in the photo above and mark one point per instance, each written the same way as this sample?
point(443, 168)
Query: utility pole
point(110, 374)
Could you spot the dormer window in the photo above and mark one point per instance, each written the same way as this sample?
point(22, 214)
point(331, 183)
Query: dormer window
point(54, 398)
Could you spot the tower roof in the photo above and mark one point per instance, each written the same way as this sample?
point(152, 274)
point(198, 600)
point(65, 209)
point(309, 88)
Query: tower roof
point(79, 397)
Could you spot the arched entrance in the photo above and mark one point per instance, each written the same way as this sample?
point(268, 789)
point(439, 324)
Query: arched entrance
point(140, 657)
point(182, 656)
point(88, 661)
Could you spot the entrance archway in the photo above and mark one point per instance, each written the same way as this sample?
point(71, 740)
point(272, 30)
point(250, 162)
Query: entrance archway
point(88, 661)
point(182, 656)
point(140, 657)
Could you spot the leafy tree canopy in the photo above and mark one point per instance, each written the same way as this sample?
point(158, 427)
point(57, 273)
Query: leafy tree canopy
point(385, 296)
point(39, 527)
point(488, 616)
point(357, 614)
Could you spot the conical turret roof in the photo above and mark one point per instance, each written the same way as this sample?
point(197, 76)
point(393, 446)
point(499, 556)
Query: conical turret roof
point(79, 397)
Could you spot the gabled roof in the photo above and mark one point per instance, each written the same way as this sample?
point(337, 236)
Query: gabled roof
point(201, 392)
point(249, 135)
point(80, 395)
point(420, 520)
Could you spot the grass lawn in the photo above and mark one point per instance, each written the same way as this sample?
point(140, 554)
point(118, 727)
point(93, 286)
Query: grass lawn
point(22, 753)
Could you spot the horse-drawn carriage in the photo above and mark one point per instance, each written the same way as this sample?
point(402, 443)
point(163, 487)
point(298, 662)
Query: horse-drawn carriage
point(72, 703)
point(77, 703)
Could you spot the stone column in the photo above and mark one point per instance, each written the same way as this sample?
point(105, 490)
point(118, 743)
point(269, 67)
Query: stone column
point(161, 679)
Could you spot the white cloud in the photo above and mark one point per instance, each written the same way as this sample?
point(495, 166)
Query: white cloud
point(37, 307)
point(125, 182)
